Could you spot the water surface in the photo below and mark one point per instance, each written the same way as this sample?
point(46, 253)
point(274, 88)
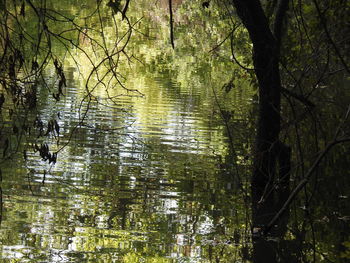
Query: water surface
point(143, 179)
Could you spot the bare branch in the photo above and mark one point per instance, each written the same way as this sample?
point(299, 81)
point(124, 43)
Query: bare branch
point(171, 24)
point(308, 175)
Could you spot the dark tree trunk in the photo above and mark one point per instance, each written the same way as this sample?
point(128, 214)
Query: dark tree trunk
point(265, 57)
point(267, 145)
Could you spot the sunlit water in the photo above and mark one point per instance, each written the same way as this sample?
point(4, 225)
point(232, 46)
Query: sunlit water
point(156, 178)
point(141, 180)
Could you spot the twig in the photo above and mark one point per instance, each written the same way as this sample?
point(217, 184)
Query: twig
point(125, 9)
point(324, 24)
point(171, 24)
point(308, 175)
point(302, 183)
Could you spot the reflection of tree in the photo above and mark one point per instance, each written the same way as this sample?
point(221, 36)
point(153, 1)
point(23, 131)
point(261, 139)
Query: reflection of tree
point(306, 66)
point(35, 35)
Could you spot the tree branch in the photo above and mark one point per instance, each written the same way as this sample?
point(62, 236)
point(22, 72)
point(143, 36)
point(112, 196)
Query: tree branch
point(125, 9)
point(308, 175)
point(298, 97)
point(301, 184)
point(324, 24)
point(171, 24)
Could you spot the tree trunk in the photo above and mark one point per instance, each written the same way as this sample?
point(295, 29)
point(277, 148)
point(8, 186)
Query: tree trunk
point(267, 145)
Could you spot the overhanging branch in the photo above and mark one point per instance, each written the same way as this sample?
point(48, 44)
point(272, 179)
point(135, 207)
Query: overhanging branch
point(307, 177)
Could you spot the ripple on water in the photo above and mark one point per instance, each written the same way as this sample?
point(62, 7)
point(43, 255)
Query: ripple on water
point(137, 175)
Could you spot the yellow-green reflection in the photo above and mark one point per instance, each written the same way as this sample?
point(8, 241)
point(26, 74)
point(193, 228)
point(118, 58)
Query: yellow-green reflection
point(158, 168)
point(144, 177)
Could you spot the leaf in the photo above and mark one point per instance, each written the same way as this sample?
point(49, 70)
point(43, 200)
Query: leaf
point(206, 4)
point(53, 158)
point(227, 115)
point(228, 86)
point(6, 146)
point(56, 96)
point(15, 129)
point(114, 5)
point(2, 100)
point(35, 65)
point(57, 127)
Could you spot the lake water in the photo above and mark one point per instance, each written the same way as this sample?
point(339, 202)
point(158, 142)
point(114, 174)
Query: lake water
point(143, 179)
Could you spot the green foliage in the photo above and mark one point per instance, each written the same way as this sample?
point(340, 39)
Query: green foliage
point(45, 46)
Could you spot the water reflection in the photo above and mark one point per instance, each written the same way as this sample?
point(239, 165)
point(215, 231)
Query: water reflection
point(140, 179)
point(143, 177)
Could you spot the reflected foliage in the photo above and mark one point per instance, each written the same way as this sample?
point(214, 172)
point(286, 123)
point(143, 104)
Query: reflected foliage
point(117, 147)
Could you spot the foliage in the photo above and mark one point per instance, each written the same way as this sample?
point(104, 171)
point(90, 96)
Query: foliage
point(114, 47)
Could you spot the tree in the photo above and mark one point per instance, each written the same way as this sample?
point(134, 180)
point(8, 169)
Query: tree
point(271, 168)
point(266, 46)
point(298, 50)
